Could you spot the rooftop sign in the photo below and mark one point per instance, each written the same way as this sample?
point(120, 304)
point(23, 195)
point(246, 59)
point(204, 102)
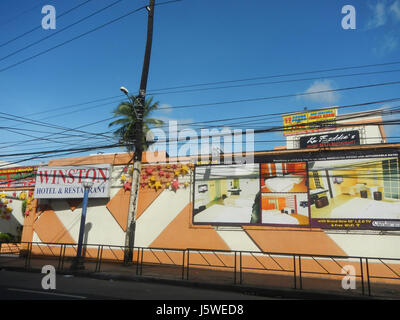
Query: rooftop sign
point(308, 122)
point(336, 139)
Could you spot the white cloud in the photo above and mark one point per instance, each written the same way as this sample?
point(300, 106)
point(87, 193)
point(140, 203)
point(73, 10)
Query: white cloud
point(165, 108)
point(181, 123)
point(324, 97)
point(395, 10)
point(386, 45)
point(381, 12)
point(379, 16)
point(176, 126)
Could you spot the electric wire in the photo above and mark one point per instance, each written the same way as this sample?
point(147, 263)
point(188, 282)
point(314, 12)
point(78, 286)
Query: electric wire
point(275, 82)
point(367, 86)
point(80, 36)
point(368, 103)
point(279, 75)
point(39, 26)
point(60, 30)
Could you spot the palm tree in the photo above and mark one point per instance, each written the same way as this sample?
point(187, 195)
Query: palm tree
point(127, 122)
point(126, 111)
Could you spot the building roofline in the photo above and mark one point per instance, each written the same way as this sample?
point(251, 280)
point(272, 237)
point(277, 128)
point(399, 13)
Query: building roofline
point(124, 159)
point(324, 149)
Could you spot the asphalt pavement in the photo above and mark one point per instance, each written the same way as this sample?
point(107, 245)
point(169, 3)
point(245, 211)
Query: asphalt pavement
point(28, 286)
point(156, 282)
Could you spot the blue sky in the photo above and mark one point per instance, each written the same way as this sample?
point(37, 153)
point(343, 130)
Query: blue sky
point(194, 42)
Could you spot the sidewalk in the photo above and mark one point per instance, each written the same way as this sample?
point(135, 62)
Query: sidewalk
point(271, 285)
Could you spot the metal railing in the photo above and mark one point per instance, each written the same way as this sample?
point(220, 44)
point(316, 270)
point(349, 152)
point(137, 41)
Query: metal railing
point(296, 268)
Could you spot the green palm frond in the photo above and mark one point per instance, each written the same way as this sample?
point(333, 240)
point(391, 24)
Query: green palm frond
point(126, 120)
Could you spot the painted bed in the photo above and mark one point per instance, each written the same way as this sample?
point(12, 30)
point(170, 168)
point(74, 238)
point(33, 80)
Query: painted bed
point(218, 213)
point(240, 201)
point(282, 184)
point(367, 208)
point(277, 217)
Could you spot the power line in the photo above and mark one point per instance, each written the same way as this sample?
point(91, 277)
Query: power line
point(317, 124)
point(60, 30)
point(279, 114)
point(76, 105)
point(45, 154)
point(275, 82)
point(66, 153)
point(116, 101)
point(283, 96)
point(154, 92)
point(39, 27)
point(220, 120)
point(12, 117)
point(80, 36)
point(271, 115)
point(58, 140)
point(60, 151)
point(20, 14)
point(63, 129)
point(280, 75)
point(66, 135)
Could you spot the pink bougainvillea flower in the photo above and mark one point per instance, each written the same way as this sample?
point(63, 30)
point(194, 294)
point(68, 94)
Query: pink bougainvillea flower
point(127, 186)
point(175, 185)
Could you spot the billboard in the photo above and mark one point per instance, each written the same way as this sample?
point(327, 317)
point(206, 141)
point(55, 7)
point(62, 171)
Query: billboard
point(355, 193)
point(308, 122)
point(17, 177)
point(353, 190)
point(330, 140)
point(284, 193)
point(226, 194)
point(66, 182)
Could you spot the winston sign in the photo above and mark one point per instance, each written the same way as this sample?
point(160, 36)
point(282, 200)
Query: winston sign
point(66, 182)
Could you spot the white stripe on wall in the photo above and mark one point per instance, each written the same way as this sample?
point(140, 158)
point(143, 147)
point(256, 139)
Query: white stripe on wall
point(159, 215)
point(237, 239)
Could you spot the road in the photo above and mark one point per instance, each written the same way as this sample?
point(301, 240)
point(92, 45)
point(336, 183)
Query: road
point(28, 285)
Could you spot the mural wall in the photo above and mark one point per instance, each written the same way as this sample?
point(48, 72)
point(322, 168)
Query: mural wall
point(356, 193)
point(298, 203)
point(303, 203)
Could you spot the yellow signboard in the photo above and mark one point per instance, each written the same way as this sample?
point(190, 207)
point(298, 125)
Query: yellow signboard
point(311, 121)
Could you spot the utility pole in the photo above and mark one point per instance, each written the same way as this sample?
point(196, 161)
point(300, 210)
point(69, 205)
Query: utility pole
point(139, 139)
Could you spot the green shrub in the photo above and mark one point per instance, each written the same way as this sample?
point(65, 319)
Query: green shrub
point(6, 237)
